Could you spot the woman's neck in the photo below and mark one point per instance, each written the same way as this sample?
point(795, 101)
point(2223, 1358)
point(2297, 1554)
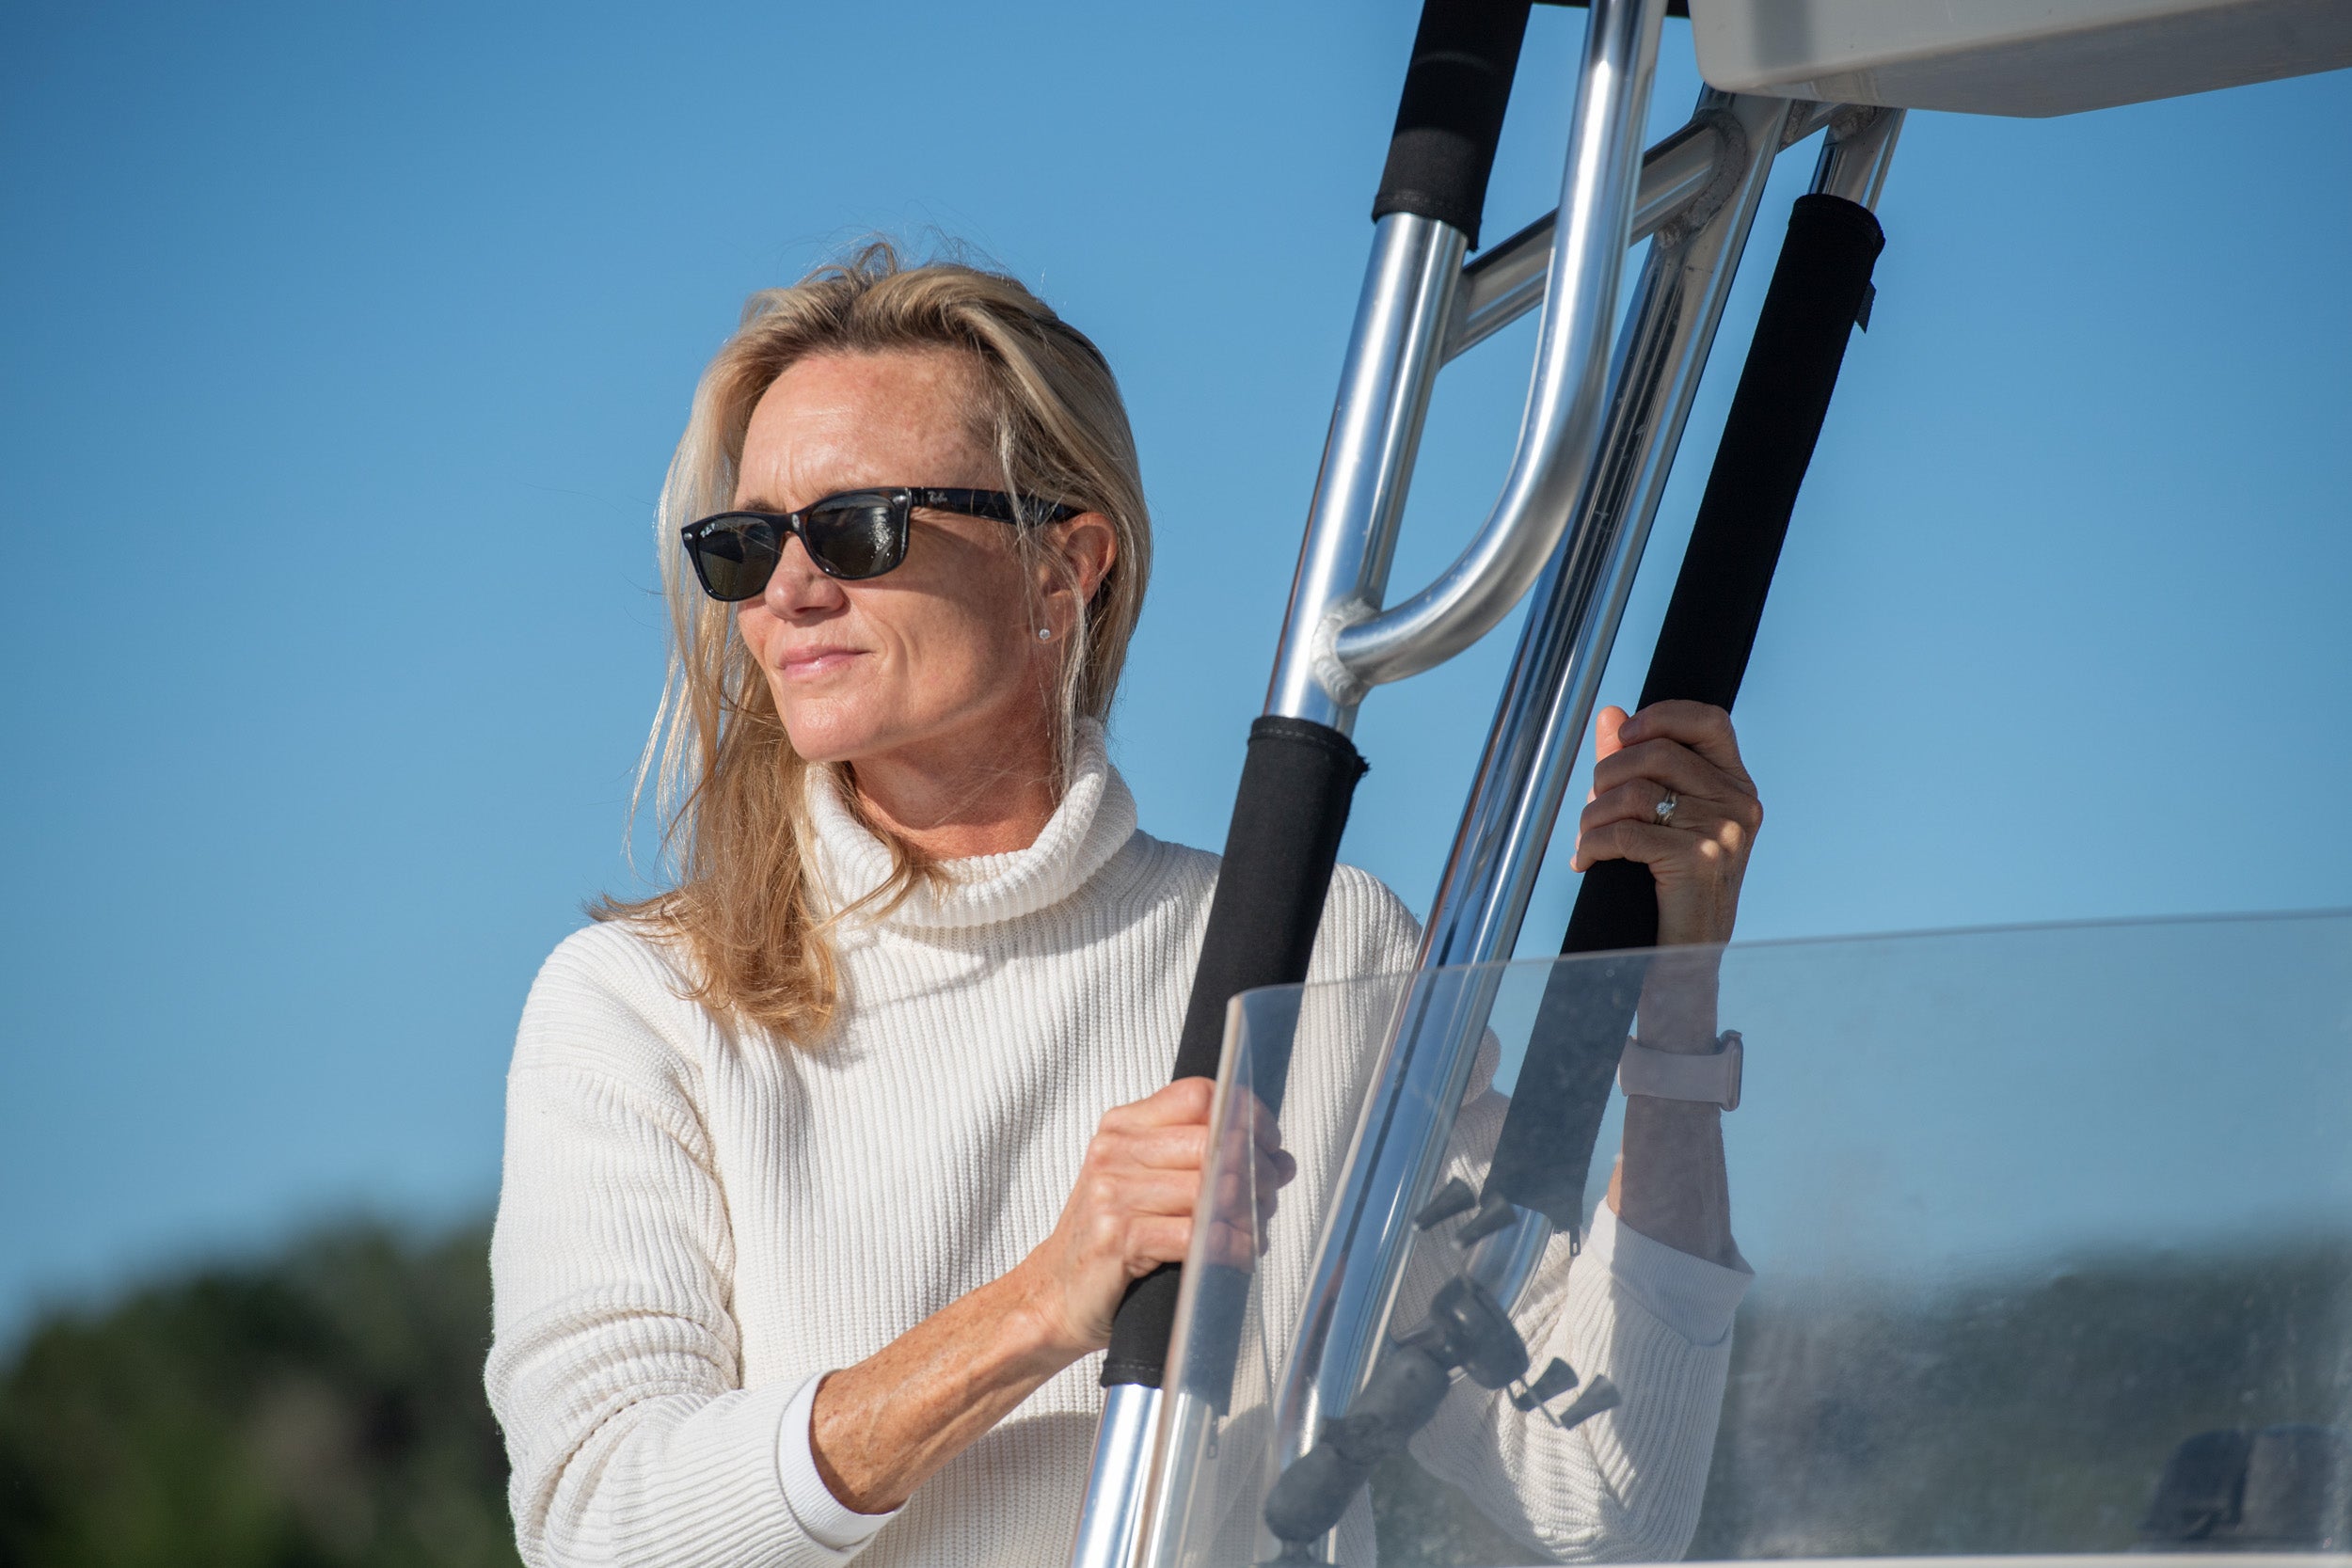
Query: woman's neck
point(953, 800)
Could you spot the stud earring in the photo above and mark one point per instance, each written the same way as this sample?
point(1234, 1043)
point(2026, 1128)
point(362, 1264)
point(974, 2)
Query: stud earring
point(1044, 634)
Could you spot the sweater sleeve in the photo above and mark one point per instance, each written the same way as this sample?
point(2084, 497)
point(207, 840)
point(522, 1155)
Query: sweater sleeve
point(615, 1367)
point(1624, 1485)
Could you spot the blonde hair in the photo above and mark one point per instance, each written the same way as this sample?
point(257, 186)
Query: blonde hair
point(731, 792)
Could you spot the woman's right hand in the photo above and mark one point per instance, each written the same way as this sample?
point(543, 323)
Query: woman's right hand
point(1131, 1210)
point(879, 1428)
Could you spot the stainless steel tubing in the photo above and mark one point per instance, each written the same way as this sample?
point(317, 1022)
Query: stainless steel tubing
point(1504, 1260)
point(1506, 282)
point(1854, 155)
point(1804, 117)
point(1393, 357)
point(1186, 1439)
point(1531, 755)
point(1506, 279)
point(1561, 428)
point(1854, 164)
point(1122, 1445)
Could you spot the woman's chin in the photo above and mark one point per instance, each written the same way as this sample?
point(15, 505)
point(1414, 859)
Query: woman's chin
point(830, 733)
point(819, 744)
point(846, 729)
point(839, 725)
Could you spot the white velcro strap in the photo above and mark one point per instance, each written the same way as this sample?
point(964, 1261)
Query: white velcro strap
point(1711, 1080)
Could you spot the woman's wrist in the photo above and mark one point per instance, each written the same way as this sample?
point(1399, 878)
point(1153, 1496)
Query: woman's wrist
point(1679, 997)
point(1036, 1331)
point(877, 1429)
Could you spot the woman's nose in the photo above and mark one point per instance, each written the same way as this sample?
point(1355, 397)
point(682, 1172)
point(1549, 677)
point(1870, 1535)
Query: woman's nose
point(797, 587)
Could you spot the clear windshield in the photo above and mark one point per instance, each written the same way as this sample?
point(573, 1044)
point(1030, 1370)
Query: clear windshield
point(2040, 1241)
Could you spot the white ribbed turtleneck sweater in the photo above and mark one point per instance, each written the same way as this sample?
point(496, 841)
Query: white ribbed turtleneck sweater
point(698, 1221)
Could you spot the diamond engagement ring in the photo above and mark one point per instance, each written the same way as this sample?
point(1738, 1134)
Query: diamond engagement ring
point(1665, 810)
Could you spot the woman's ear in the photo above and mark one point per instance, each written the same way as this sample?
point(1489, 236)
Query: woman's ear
point(1089, 546)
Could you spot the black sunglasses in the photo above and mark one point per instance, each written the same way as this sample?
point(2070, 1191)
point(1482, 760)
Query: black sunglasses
point(857, 534)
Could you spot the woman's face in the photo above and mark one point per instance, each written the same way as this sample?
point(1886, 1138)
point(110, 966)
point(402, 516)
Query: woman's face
point(940, 656)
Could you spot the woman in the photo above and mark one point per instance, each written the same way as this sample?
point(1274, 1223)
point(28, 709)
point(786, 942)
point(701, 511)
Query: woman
point(827, 1168)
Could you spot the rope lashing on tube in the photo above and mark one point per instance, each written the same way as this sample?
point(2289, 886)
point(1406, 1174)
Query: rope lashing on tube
point(1820, 289)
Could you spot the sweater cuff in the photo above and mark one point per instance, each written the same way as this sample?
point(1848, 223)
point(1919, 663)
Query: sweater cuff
point(1692, 1296)
point(830, 1522)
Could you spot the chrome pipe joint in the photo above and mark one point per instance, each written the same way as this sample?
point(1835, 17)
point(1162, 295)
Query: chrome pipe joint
point(1533, 750)
point(1357, 648)
point(1856, 153)
point(1393, 353)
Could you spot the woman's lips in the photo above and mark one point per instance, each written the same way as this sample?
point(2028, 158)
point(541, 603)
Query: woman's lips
point(802, 663)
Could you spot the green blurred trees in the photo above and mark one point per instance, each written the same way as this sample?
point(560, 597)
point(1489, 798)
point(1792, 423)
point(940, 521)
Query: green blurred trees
point(2027, 1412)
point(323, 1409)
point(319, 1409)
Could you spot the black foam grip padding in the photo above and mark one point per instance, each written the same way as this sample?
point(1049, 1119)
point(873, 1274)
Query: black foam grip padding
point(1296, 787)
point(1818, 289)
point(1451, 115)
point(1775, 420)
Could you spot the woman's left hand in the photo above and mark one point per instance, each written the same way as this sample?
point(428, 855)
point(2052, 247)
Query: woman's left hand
point(1685, 752)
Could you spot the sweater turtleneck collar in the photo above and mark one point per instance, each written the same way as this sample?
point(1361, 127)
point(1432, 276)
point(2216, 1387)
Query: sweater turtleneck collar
point(1097, 816)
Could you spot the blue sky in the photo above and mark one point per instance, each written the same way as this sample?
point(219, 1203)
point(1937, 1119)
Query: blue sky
point(345, 346)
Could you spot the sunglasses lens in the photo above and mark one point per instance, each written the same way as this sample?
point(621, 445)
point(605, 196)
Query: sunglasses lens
point(855, 538)
point(735, 557)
